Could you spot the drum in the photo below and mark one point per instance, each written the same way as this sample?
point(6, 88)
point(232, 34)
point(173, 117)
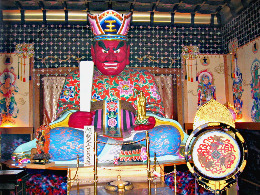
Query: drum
point(216, 154)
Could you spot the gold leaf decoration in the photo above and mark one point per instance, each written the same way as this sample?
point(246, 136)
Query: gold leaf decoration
point(213, 111)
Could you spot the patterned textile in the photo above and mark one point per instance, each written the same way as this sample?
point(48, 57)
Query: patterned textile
point(66, 143)
point(52, 89)
point(166, 86)
point(131, 153)
point(46, 184)
point(110, 152)
point(185, 184)
point(164, 140)
point(118, 87)
point(126, 123)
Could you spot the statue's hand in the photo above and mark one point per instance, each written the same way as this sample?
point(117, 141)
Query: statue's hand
point(80, 119)
point(150, 125)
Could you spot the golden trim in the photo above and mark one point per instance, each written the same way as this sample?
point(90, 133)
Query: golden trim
point(12, 15)
point(55, 15)
point(213, 124)
point(119, 185)
point(111, 188)
point(77, 16)
point(240, 137)
point(215, 20)
point(243, 166)
point(190, 167)
point(141, 17)
point(202, 18)
point(162, 17)
point(183, 18)
point(33, 15)
point(217, 185)
point(81, 16)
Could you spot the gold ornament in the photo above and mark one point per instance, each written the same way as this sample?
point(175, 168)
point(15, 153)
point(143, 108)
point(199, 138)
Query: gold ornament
point(141, 106)
point(213, 112)
point(119, 185)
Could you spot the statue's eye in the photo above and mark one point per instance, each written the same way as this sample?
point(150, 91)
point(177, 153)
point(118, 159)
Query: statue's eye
point(117, 51)
point(104, 51)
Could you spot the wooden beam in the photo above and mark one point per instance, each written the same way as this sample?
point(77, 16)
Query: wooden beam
point(66, 70)
point(248, 125)
point(17, 130)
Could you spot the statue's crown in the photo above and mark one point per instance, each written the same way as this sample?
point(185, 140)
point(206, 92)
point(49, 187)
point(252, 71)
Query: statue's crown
point(110, 25)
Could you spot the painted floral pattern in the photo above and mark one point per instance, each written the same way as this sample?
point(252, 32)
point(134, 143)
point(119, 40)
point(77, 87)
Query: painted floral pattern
point(125, 88)
point(112, 106)
point(67, 93)
point(112, 122)
point(96, 97)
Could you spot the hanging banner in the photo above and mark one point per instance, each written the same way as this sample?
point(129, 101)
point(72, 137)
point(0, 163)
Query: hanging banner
point(24, 50)
point(14, 93)
point(189, 54)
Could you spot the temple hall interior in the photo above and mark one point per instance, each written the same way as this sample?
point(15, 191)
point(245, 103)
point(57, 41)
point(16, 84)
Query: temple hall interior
point(130, 97)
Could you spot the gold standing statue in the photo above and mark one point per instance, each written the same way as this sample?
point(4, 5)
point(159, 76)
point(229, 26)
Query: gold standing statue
point(141, 106)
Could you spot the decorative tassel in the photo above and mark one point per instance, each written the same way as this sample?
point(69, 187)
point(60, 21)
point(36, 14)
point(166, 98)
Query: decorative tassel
point(231, 64)
point(196, 70)
point(18, 75)
point(24, 79)
point(188, 71)
point(185, 65)
point(191, 79)
point(21, 78)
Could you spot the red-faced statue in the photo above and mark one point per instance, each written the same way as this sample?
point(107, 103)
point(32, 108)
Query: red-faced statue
point(110, 56)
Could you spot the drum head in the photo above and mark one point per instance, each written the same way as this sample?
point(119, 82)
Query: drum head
point(215, 154)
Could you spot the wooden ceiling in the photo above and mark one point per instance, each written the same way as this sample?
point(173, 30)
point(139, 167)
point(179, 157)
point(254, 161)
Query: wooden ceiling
point(225, 10)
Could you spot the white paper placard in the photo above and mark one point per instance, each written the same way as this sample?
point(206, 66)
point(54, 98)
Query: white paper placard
point(88, 145)
point(86, 69)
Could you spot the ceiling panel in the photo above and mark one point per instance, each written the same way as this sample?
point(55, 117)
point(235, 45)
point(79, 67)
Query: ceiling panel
point(226, 9)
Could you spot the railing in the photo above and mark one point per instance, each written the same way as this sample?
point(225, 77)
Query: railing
point(150, 178)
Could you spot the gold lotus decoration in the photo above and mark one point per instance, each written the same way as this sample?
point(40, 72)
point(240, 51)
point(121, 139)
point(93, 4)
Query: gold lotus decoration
point(211, 112)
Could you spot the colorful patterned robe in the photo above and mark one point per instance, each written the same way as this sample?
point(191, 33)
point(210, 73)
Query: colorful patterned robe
point(124, 86)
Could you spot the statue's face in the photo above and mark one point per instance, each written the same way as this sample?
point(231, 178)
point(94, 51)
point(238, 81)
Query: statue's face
point(110, 57)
